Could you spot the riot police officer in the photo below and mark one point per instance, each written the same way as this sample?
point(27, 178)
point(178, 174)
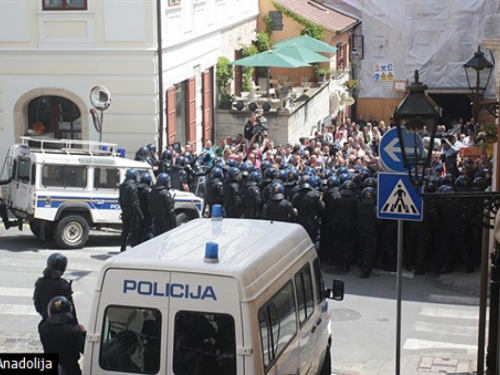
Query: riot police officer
point(368, 230)
point(3, 211)
point(270, 174)
point(131, 209)
point(252, 197)
point(179, 177)
point(166, 162)
point(214, 192)
point(146, 225)
point(52, 284)
point(309, 206)
point(233, 198)
point(277, 207)
point(344, 223)
point(330, 198)
point(161, 205)
point(61, 334)
point(291, 182)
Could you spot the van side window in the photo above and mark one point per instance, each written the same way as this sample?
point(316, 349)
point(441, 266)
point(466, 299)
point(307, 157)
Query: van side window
point(23, 170)
point(277, 323)
point(204, 343)
point(320, 283)
point(33, 174)
point(305, 298)
point(64, 176)
point(130, 340)
point(106, 178)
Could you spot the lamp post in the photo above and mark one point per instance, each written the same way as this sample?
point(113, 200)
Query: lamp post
point(478, 72)
point(354, 57)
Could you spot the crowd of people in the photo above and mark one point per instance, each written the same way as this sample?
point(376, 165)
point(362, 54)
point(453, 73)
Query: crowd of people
point(328, 184)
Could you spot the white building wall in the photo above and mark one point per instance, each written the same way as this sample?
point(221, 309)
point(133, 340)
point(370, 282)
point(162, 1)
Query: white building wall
point(111, 44)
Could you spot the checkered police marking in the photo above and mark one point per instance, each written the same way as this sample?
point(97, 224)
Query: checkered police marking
point(397, 199)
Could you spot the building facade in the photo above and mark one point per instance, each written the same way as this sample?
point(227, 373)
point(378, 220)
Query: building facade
point(156, 58)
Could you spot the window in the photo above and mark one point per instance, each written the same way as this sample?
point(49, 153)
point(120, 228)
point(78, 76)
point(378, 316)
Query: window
point(305, 299)
point(204, 343)
point(64, 4)
point(277, 18)
point(180, 112)
point(23, 171)
point(173, 2)
point(277, 324)
point(320, 284)
point(64, 176)
point(131, 340)
point(106, 178)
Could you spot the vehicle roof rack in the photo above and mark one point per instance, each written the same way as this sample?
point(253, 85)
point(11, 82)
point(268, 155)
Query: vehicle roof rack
point(70, 146)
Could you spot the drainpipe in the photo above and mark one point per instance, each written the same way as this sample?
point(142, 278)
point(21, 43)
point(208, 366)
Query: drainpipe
point(159, 52)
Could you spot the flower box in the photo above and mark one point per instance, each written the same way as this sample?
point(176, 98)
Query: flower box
point(473, 152)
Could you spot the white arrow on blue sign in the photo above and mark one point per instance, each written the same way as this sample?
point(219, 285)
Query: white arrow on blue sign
point(390, 149)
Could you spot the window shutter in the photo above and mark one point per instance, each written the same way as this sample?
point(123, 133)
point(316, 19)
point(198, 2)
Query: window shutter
point(171, 116)
point(191, 112)
point(206, 106)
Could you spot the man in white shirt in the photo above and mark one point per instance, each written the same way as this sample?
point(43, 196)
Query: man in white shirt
point(470, 139)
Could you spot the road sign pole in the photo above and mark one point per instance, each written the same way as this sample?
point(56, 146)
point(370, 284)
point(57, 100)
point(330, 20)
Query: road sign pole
point(398, 297)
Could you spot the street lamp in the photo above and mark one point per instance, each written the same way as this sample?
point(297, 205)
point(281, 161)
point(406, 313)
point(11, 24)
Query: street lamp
point(354, 58)
point(478, 72)
point(416, 119)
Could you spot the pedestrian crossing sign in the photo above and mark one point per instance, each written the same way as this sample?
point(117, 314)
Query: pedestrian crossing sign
point(397, 198)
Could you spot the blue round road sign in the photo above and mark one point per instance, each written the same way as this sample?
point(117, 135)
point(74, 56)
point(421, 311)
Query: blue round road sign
point(390, 150)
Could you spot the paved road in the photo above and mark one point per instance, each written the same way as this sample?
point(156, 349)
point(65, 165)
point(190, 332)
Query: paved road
point(440, 313)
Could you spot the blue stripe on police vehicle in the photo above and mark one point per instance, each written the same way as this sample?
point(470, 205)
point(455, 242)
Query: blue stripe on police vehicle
point(94, 203)
point(174, 290)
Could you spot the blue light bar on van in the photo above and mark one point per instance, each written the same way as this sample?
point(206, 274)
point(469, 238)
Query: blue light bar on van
point(211, 252)
point(216, 212)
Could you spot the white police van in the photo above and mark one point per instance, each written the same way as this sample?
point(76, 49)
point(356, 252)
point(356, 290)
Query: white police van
point(63, 188)
point(231, 297)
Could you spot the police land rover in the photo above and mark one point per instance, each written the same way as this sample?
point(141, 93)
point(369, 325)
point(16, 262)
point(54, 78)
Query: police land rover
point(64, 188)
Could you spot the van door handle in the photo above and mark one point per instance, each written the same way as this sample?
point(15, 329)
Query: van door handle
point(319, 321)
point(313, 329)
point(98, 202)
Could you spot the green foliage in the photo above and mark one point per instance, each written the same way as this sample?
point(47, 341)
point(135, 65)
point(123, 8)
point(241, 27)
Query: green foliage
point(322, 72)
point(223, 77)
point(249, 50)
point(310, 28)
point(263, 42)
point(269, 24)
point(247, 71)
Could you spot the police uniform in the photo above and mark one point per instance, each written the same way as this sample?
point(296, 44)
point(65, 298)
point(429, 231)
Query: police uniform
point(162, 209)
point(214, 193)
point(233, 198)
point(309, 206)
point(279, 209)
point(367, 225)
point(179, 177)
point(131, 213)
point(146, 225)
point(252, 200)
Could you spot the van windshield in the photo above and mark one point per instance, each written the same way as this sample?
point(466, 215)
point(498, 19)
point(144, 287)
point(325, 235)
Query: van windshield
point(204, 343)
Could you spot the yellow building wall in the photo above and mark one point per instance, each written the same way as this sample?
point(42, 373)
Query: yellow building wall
point(380, 108)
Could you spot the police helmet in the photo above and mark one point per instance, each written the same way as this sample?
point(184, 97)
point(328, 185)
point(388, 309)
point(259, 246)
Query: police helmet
point(254, 168)
point(347, 187)
point(462, 183)
point(342, 170)
point(326, 174)
point(151, 147)
point(231, 163)
point(317, 181)
point(344, 177)
point(245, 168)
point(282, 166)
point(448, 179)
point(333, 181)
point(292, 160)
point(188, 156)
point(180, 161)
point(59, 305)
point(277, 191)
point(368, 195)
point(292, 175)
point(283, 175)
point(370, 182)
point(430, 187)
point(254, 177)
point(144, 152)
point(271, 172)
point(440, 181)
point(309, 171)
point(445, 189)
point(264, 165)
point(146, 178)
point(305, 183)
point(57, 262)
point(364, 174)
point(131, 174)
point(234, 173)
point(219, 164)
point(216, 173)
point(167, 155)
point(479, 183)
point(354, 177)
point(163, 179)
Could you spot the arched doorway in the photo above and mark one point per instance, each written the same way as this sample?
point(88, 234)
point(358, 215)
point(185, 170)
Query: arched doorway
point(54, 116)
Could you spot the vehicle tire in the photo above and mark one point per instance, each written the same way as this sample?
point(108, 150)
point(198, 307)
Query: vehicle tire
point(327, 363)
point(36, 227)
point(72, 232)
point(182, 218)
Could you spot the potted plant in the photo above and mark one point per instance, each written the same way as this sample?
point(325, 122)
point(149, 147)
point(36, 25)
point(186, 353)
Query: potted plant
point(351, 84)
point(223, 78)
point(321, 75)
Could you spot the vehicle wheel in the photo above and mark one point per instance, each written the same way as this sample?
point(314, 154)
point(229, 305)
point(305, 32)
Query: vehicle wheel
point(72, 232)
point(327, 363)
point(182, 218)
point(36, 228)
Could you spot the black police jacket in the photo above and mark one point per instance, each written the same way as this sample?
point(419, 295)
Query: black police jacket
point(60, 334)
point(49, 286)
point(366, 215)
point(129, 199)
point(214, 192)
point(308, 204)
point(161, 203)
point(279, 210)
point(144, 190)
point(346, 209)
point(233, 199)
point(178, 177)
point(252, 201)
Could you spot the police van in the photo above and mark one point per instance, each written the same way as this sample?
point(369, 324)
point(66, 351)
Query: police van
point(231, 297)
point(63, 188)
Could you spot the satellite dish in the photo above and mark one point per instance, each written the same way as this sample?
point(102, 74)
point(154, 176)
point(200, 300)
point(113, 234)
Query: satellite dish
point(347, 100)
point(100, 98)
